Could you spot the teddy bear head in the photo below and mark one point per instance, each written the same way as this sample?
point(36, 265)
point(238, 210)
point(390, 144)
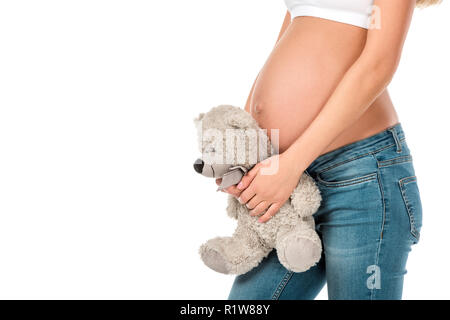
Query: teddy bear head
point(231, 143)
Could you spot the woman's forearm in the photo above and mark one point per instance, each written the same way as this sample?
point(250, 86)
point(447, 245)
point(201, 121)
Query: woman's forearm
point(359, 87)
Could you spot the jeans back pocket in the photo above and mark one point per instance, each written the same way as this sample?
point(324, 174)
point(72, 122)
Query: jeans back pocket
point(411, 198)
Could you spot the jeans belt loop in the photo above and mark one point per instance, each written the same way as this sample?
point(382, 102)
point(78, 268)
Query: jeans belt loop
point(396, 139)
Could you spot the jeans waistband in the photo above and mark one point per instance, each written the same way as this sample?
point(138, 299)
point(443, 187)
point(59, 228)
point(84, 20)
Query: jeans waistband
point(390, 136)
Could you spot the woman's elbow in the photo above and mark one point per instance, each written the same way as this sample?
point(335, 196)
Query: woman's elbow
point(382, 68)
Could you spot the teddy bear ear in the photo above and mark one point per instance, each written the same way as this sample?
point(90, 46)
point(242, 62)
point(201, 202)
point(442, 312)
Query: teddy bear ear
point(239, 119)
point(198, 120)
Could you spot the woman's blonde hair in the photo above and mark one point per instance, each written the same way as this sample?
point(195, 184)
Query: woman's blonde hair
point(426, 3)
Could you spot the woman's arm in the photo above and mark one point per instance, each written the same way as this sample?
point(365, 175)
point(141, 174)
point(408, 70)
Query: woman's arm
point(359, 87)
point(286, 22)
point(366, 79)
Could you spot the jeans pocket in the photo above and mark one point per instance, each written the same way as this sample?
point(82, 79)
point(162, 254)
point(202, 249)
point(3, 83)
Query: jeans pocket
point(395, 161)
point(411, 198)
point(351, 172)
point(348, 182)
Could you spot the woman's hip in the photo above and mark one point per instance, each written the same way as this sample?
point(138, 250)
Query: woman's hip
point(370, 183)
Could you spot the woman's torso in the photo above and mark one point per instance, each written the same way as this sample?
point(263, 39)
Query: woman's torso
point(301, 73)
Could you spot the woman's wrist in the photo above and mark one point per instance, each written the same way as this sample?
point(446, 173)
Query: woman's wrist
point(294, 162)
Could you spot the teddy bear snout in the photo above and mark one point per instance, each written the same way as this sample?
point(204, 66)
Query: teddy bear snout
point(198, 165)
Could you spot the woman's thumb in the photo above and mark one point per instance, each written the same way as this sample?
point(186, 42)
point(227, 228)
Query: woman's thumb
point(248, 178)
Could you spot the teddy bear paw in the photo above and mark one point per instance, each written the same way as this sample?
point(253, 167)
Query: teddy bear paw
point(214, 259)
point(299, 251)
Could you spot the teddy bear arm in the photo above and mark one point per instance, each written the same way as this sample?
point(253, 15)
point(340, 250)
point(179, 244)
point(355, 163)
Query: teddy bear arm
point(306, 197)
point(233, 207)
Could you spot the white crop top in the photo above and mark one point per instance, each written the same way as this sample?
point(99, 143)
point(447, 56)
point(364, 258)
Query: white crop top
point(354, 12)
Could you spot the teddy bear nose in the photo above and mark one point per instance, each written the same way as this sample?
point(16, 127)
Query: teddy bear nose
point(198, 165)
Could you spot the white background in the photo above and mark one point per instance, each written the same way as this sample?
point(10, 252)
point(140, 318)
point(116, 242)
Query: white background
point(98, 198)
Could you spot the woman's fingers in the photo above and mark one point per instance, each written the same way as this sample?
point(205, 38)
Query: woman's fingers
point(253, 202)
point(233, 190)
point(246, 195)
point(274, 207)
point(260, 208)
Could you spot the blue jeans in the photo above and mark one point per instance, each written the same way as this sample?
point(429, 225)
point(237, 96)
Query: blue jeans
point(370, 216)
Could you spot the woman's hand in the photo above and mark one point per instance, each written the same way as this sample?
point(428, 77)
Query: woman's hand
point(264, 188)
point(233, 190)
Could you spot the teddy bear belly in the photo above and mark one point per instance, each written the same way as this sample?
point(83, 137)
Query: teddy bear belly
point(268, 230)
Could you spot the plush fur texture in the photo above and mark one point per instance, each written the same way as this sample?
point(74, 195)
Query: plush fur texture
point(291, 231)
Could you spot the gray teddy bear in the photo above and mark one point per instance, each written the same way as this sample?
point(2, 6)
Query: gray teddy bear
point(231, 143)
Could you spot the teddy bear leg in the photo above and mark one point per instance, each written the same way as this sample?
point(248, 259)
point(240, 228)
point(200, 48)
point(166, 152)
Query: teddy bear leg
point(298, 248)
point(233, 255)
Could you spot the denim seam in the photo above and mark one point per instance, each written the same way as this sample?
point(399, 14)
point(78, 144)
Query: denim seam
point(380, 184)
point(282, 285)
point(390, 164)
point(410, 178)
point(350, 182)
point(359, 156)
point(402, 182)
point(377, 256)
point(398, 160)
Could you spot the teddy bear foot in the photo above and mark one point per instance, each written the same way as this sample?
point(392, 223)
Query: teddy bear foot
point(214, 256)
point(299, 251)
point(231, 255)
point(214, 259)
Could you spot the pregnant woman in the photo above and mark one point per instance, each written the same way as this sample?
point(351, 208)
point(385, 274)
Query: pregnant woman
point(323, 88)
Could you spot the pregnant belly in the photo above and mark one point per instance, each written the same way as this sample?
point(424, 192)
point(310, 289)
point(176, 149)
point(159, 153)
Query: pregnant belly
point(301, 73)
